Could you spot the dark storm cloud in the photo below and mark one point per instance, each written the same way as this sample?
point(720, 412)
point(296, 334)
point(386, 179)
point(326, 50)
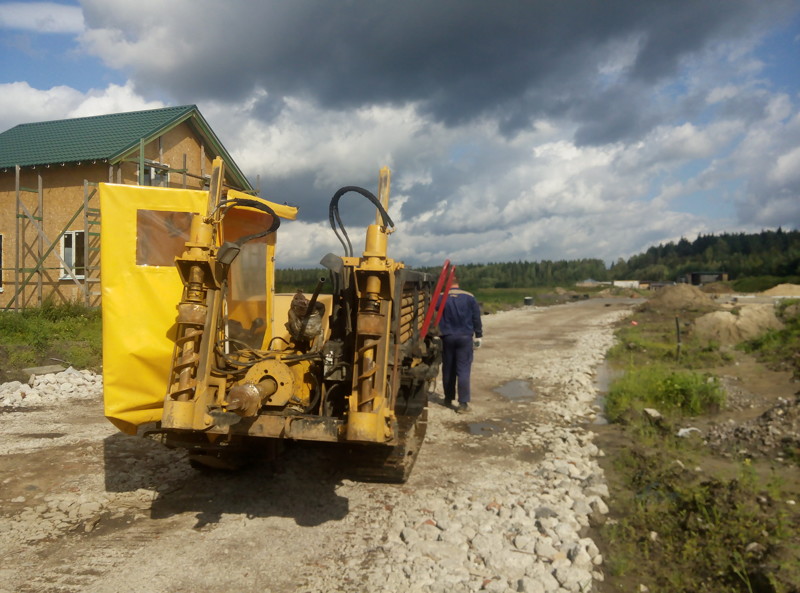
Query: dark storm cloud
point(459, 60)
point(313, 202)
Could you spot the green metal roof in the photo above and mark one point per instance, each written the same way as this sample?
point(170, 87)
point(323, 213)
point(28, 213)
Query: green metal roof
point(103, 138)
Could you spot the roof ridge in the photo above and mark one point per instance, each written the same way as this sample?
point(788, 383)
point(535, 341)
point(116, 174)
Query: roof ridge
point(109, 137)
point(177, 108)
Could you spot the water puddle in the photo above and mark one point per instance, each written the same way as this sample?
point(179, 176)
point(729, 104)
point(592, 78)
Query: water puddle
point(486, 428)
point(44, 435)
point(482, 428)
point(516, 389)
point(603, 377)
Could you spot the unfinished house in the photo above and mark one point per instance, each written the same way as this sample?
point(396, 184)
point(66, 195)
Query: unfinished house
point(49, 212)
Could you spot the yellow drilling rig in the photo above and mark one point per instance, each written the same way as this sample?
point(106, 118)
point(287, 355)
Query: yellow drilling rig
point(201, 352)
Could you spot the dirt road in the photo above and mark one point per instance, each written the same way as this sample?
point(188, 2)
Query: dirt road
point(498, 500)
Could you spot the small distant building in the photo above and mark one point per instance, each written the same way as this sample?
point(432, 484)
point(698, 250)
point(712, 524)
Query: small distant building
point(626, 283)
point(658, 285)
point(701, 278)
point(49, 171)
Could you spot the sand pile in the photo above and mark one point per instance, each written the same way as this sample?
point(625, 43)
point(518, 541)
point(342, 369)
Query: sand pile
point(783, 290)
point(728, 328)
point(681, 297)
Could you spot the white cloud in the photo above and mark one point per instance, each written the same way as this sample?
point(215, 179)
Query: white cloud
point(41, 17)
point(786, 170)
point(21, 103)
point(112, 99)
point(333, 146)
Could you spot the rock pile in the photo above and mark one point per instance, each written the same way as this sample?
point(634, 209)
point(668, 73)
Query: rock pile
point(51, 388)
point(775, 433)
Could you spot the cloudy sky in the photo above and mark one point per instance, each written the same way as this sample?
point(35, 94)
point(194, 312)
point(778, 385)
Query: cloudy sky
point(515, 129)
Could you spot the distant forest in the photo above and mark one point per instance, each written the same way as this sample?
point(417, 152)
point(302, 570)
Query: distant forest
point(741, 255)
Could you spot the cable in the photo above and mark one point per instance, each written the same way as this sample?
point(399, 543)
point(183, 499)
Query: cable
point(334, 218)
point(226, 205)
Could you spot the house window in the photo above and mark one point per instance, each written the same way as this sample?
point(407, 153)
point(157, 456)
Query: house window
point(155, 176)
point(72, 252)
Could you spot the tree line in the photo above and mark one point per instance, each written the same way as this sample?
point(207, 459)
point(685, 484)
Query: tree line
point(768, 253)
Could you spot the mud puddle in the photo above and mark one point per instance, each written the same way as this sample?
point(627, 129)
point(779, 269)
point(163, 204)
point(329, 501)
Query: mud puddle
point(516, 390)
point(604, 375)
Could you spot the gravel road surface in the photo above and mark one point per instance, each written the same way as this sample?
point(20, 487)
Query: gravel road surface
point(500, 499)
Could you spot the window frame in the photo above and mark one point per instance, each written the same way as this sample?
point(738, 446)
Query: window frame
point(75, 257)
point(155, 175)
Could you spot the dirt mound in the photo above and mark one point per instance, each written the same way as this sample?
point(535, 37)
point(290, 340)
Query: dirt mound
point(681, 297)
point(717, 288)
point(728, 328)
point(783, 290)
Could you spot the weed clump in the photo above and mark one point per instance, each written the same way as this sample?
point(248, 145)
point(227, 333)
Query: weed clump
point(672, 392)
point(717, 531)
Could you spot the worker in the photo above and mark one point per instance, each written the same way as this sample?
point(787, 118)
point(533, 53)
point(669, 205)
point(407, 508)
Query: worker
point(461, 320)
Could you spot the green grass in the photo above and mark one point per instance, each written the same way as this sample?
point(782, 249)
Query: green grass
point(71, 333)
point(711, 534)
point(671, 392)
point(762, 283)
point(649, 337)
point(493, 300)
point(722, 528)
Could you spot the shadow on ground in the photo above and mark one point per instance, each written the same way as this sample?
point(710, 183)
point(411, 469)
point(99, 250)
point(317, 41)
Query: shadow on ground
point(301, 485)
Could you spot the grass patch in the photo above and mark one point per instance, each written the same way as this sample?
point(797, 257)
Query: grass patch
point(762, 283)
point(651, 337)
point(692, 534)
point(70, 332)
point(493, 300)
point(686, 519)
point(672, 392)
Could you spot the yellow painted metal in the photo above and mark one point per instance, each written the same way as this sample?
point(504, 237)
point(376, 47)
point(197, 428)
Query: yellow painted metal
point(370, 415)
point(138, 304)
point(282, 210)
point(375, 244)
point(139, 301)
point(370, 427)
point(384, 185)
point(279, 382)
point(289, 381)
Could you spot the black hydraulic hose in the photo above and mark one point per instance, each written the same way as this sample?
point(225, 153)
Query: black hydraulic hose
point(334, 218)
point(276, 221)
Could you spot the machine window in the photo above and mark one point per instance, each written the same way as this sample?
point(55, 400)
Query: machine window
point(161, 236)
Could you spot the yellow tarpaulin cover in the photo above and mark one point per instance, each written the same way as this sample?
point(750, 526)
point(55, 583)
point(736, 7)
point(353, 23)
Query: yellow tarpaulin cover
point(144, 228)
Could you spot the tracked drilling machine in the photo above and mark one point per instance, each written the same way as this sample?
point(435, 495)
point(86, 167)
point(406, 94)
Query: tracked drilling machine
point(211, 360)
